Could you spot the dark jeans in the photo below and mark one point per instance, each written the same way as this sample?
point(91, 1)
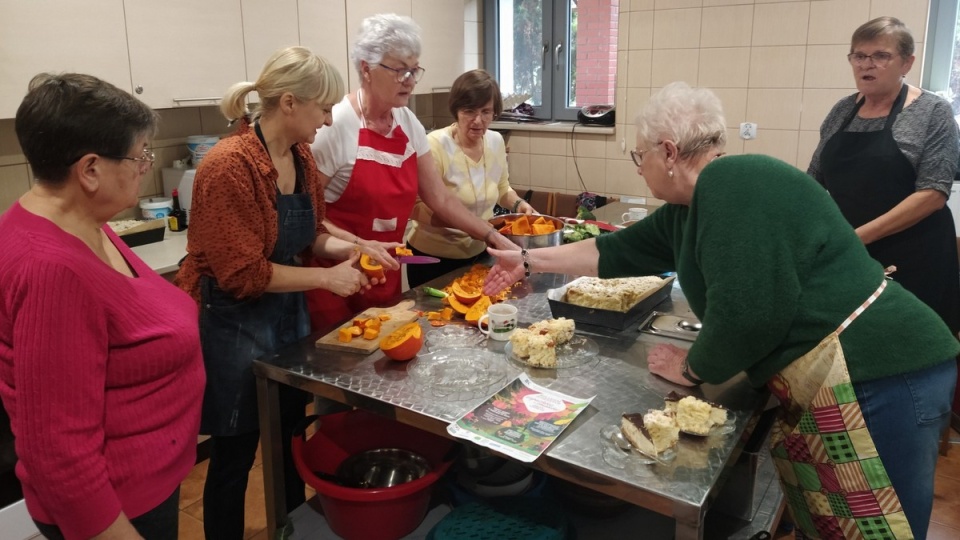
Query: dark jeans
point(418, 274)
point(161, 523)
point(232, 457)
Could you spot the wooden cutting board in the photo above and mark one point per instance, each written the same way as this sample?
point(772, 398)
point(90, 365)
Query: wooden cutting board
point(400, 315)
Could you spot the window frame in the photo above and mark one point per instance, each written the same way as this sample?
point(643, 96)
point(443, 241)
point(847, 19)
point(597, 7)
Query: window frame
point(939, 41)
point(556, 66)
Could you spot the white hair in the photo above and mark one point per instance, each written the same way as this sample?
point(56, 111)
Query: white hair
point(691, 117)
point(385, 33)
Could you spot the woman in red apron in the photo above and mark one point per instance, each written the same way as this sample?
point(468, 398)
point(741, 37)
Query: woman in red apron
point(376, 162)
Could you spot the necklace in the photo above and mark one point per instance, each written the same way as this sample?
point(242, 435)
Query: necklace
point(480, 206)
point(363, 117)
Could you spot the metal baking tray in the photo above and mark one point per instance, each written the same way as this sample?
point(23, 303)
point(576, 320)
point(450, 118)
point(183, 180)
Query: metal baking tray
point(617, 320)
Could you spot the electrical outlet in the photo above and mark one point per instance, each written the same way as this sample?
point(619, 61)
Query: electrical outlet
point(748, 130)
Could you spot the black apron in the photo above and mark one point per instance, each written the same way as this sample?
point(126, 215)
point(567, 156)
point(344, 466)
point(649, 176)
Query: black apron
point(867, 175)
point(235, 332)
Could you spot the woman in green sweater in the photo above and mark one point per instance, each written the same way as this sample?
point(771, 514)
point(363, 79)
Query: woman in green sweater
point(788, 294)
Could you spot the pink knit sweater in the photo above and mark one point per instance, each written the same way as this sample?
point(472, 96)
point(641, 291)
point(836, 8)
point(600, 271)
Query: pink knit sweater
point(101, 374)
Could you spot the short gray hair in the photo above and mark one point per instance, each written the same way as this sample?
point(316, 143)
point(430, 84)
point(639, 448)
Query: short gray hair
point(385, 33)
point(691, 117)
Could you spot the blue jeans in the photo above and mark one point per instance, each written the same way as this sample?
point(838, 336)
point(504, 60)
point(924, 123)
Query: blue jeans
point(906, 415)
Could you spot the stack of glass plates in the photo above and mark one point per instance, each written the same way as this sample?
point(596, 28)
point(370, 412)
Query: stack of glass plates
point(458, 374)
point(454, 337)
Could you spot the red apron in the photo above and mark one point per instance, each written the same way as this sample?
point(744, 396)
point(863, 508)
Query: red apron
point(375, 206)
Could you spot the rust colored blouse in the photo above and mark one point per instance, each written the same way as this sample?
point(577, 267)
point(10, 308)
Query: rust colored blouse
point(233, 216)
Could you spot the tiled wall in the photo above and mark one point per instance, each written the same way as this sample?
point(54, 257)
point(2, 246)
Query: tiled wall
point(778, 63)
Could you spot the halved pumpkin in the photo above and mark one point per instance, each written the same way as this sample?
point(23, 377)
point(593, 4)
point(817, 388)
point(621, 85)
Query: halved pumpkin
point(403, 343)
point(465, 293)
point(371, 267)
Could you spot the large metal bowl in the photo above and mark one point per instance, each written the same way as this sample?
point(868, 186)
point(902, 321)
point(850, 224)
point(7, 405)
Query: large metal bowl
point(531, 241)
point(382, 468)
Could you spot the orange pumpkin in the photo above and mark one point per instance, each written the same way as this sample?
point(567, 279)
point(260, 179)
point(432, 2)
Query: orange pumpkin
point(371, 267)
point(457, 305)
point(465, 293)
point(478, 309)
point(403, 343)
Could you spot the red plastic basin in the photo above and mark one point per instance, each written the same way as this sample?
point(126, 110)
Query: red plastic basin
point(369, 514)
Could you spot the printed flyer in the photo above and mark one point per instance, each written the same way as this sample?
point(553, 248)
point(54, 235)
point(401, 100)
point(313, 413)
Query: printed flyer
point(521, 420)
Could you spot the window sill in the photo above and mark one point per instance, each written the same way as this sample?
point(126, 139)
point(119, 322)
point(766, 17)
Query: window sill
point(553, 127)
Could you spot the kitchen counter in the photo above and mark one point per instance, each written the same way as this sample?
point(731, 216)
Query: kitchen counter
point(683, 489)
point(163, 256)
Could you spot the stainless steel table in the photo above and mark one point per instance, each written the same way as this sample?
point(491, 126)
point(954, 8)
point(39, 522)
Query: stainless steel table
point(683, 489)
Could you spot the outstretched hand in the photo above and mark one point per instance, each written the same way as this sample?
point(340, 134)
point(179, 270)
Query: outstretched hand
point(507, 270)
point(666, 360)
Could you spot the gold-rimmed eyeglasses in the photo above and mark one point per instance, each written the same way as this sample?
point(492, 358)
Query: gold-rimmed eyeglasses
point(879, 59)
point(637, 157)
point(485, 114)
point(404, 74)
point(144, 162)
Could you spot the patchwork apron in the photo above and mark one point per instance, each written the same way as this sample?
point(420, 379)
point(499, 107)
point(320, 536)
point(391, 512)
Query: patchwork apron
point(834, 482)
point(375, 206)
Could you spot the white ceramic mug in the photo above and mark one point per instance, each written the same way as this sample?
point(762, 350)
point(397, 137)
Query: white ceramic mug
point(501, 320)
point(634, 214)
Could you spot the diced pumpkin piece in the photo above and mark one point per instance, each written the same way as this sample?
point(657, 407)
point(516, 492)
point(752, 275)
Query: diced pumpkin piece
point(355, 330)
point(544, 228)
point(521, 226)
point(359, 322)
point(403, 252)
point(372, 323)
point(345, 335)
point(371, 333)
point(384, 316)
point(446, 314)
point(540, 221)
point(433, 315)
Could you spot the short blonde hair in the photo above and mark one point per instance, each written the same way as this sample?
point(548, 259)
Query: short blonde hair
point(882, 27)
point(691, 117)
point(296, 70)
point(382, 34)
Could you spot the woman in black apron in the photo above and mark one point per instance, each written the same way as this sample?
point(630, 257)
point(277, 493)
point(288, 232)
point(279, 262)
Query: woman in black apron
point(890, 173)
point(258, 205)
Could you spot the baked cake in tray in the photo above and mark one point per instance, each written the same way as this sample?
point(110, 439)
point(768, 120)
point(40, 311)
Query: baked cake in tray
point(619, 294)
point(650, 433)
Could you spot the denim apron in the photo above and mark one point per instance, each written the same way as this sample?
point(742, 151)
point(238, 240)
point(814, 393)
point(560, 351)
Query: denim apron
point(235, 332)
point(832, 478)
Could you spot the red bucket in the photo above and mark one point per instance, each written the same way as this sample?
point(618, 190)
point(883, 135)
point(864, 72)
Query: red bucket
point(369, 514)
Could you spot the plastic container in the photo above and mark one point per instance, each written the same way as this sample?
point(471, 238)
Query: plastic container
point(369, 514)
point(199, 145)
point(156, 207)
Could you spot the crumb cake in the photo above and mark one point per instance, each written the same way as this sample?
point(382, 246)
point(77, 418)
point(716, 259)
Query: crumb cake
point(693, 415)
point(619, 294)
point(717, 417)
point(537, 345)
point(650, 433)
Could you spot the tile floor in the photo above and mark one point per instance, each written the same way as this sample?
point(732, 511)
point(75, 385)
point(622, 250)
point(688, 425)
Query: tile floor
point(944, 523)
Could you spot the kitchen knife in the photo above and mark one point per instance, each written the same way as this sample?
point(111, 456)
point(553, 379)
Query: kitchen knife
point(417, 259)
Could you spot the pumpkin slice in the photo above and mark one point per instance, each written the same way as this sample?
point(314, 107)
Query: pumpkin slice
point(478, 309)
point(521, 226)
point(466, 294)
point(542, 228)
point(403, 343)
point(457, 305)
point(371, 267)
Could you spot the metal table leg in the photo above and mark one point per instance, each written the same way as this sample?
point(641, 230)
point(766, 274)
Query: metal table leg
point(268, 399)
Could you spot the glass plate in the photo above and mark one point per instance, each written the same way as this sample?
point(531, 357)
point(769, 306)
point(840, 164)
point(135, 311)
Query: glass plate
point(458, 374)
point(454, 337)
point(619, 453)
point(576, 352)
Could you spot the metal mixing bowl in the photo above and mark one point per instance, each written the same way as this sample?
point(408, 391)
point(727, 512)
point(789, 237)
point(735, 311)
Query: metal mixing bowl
point(382, 468)
point(530, 241)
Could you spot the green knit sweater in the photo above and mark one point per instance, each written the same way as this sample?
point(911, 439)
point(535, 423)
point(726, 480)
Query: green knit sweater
point(771, 267)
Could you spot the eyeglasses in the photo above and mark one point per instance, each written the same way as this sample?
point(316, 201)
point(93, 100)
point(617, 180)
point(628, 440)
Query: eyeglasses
point(880, 59)
point(144, 162)
point(404, 74)
point(637, 157)
point(473, 113)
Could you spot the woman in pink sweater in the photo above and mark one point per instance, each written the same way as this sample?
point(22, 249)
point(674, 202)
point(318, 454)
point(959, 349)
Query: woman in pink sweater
point(100, 364)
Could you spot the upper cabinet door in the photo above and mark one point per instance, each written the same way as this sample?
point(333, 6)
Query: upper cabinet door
point(40, 36)
point(184, 53)
point(324, 30)
point(268, 26)
point(442, 22)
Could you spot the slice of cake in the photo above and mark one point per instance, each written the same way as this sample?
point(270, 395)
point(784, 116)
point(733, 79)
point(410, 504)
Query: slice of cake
point(718, 414)
point(561, 330)
point(693, 416)
point(651, 433)
point(534, 348)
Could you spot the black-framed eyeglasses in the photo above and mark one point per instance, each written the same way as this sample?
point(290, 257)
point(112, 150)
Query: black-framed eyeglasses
point(404, 74)
point(637, 157)
point(879, 58)
point(144, 162)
